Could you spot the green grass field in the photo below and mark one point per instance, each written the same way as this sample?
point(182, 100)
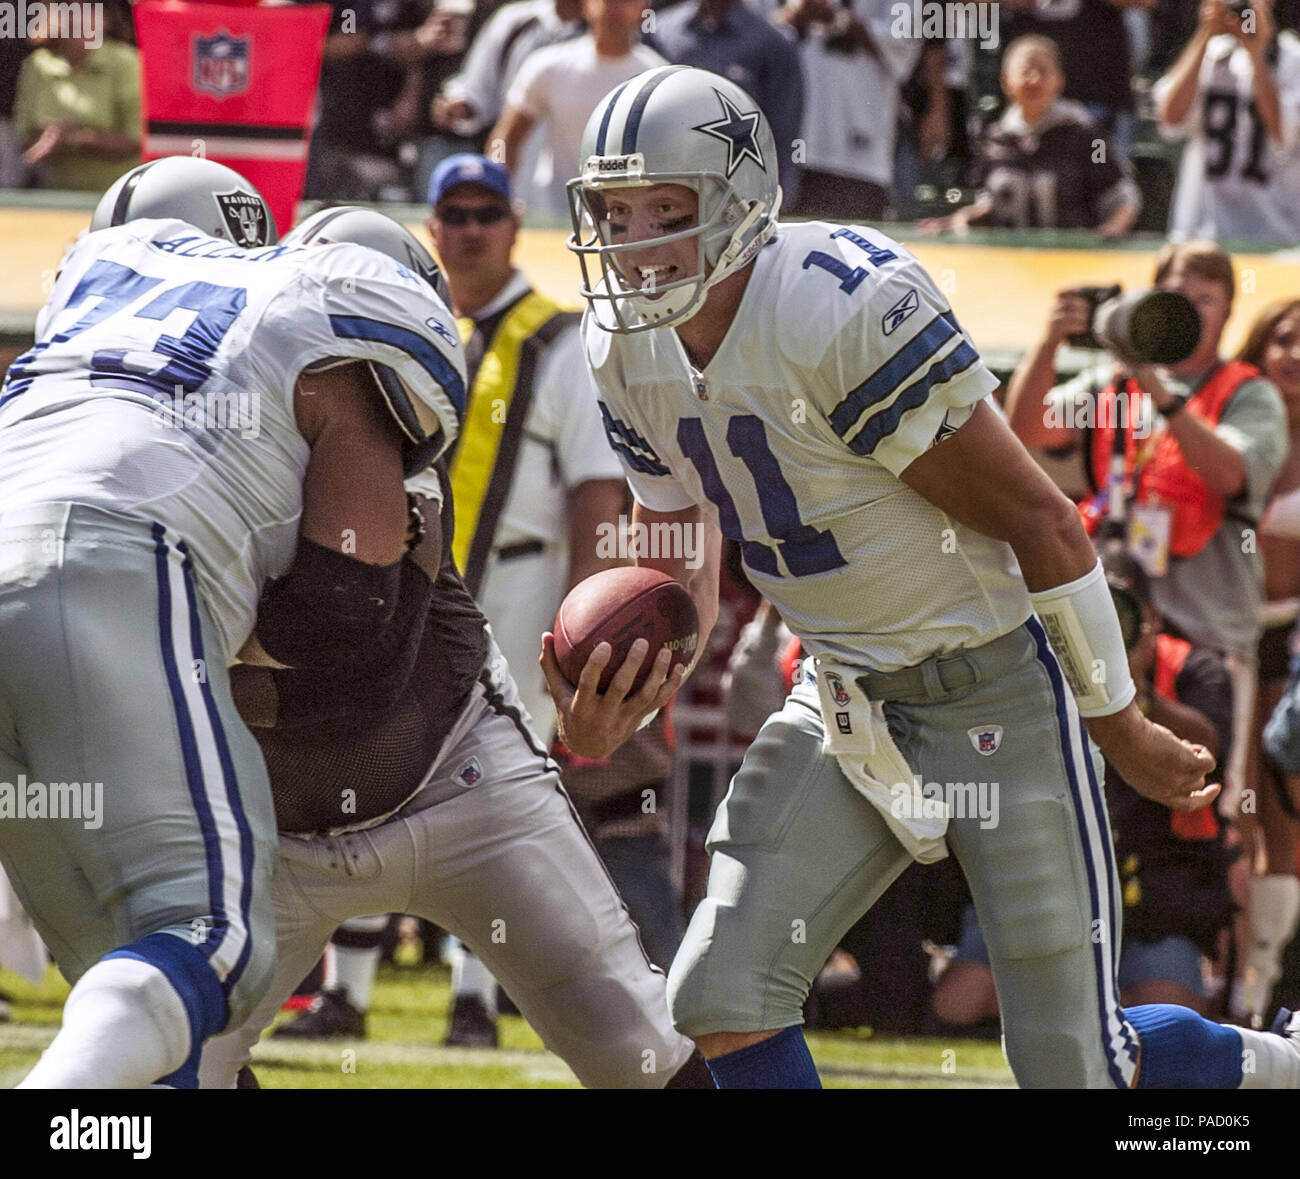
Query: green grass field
point(407, 1021)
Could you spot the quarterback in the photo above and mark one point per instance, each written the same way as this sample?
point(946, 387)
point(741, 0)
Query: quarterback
point(133, 556)
point(807, 388)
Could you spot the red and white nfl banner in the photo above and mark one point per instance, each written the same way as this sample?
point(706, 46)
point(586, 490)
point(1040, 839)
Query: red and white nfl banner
point(235, 83)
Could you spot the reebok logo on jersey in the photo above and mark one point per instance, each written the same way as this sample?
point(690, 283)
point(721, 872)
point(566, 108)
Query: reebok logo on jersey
point(900, 312)
point(986, 739)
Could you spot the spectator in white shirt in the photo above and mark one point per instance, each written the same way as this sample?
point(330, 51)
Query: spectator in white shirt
point(557, 87)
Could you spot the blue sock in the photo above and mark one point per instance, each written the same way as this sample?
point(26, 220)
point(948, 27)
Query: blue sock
point(1180, 1050)
point(779, 1062)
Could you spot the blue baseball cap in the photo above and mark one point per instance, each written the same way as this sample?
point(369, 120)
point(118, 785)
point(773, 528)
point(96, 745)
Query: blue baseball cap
point(468, 168)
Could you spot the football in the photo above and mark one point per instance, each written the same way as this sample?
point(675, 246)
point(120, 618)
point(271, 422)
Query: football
point(619, 606)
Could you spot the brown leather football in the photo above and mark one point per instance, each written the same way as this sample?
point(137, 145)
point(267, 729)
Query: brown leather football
point(619, 606)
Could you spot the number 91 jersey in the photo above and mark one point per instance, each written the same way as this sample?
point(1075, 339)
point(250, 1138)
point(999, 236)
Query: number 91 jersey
point(161, 385)
point(843, 364)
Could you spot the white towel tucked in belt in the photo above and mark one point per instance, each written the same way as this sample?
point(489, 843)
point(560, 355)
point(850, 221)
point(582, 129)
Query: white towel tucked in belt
point(857, 735)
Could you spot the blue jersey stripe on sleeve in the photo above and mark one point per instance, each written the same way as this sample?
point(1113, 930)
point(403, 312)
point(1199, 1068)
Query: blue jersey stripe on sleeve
point(357, 327)
point(887, 420)
point(922, 347)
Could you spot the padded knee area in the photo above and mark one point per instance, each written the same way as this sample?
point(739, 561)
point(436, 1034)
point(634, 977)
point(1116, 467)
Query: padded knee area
point(721, 982)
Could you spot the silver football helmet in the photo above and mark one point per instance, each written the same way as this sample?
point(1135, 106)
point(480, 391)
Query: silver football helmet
point(203, 193)
point(673, 125)
point(366, 227)
point(428, 434)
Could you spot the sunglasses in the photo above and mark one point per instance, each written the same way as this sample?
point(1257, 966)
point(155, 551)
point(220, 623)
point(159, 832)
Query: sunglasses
point(461, 215)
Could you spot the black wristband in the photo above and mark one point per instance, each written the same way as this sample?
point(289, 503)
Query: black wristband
point(1175, 407)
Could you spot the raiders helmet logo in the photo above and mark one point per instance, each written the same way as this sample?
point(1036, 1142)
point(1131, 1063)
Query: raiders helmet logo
point(245, 218)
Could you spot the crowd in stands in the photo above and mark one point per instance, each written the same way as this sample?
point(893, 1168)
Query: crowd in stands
point(1062, 114)
point(1102, 115)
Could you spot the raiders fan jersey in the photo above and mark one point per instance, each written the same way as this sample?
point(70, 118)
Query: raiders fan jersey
point(1236, 183)
point(1057, 174)
point(161, 385)
point(843, 365)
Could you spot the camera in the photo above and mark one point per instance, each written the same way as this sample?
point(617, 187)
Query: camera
point(1144, 327)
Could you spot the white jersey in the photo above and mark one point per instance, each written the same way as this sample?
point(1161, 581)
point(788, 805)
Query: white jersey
point(1235, 182)
point(161, 386)
point(844, 364)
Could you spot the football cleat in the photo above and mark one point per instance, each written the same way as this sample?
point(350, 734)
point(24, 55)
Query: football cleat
point(470, 1026)
point(331, 1016)
point(673, 125)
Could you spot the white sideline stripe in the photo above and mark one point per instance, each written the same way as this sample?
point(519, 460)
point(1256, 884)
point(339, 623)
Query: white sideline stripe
point(288, 150)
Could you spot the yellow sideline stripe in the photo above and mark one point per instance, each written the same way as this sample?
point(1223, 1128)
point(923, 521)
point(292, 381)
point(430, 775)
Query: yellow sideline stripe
point(487, 413)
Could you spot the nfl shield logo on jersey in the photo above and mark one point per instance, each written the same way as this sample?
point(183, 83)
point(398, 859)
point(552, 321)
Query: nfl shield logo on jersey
point(220, 66)
point(837, 689)
point(985, 738)
point(245, 218)
point(471, 773)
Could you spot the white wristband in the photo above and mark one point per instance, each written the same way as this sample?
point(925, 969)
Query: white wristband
point(1084, 632)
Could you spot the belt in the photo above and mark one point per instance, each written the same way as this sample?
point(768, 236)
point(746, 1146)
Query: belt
point(944, 675)
point(525, 548)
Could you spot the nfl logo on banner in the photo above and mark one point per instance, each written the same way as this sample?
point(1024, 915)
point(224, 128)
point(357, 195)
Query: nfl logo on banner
point(837, 689)
point(221, 64)
point(985, 738)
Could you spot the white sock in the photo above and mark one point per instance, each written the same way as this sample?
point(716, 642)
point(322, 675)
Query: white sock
point(470, 977)
point(123, 1028)
point(354, 967)
point(1274, 910)
point(1269, 1061)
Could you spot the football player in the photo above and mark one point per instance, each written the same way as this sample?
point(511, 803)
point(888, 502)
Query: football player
point(195, 417)
point(429, 793)
point(807, 388)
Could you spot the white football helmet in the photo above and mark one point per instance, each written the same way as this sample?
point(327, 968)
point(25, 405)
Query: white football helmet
point(203, 193)
point(366, 227)
point(674, 125)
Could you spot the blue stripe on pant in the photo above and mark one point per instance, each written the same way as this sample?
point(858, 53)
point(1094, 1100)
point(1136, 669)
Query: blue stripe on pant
point(229, 778)
point(189, 746)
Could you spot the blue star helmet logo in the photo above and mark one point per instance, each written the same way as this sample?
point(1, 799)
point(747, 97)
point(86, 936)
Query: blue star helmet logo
point(739, 131)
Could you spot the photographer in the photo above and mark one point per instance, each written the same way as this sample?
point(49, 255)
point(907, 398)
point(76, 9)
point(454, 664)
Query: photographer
point(1204, 440)
point(1235, 93)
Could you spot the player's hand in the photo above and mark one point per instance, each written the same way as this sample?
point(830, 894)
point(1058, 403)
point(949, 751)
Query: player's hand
point(594, 724)
point(1158, 765)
